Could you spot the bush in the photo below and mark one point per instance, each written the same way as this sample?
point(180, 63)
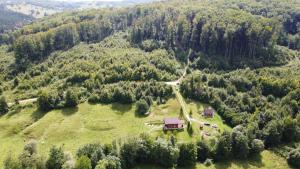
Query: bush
point(109, 162)
point(71, 99)
point(165, 154)
point(202, 151)
point(294, 158)
point(56, 158)
point(142, 107)
point(83, 163)
point(11, 163)
point(88, 150)
point(187, 154)
point(257, 146)
point(48, 100)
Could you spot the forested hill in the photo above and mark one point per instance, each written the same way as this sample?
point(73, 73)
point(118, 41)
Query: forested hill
point(11, 20)
point(212, 34)
point(222, 34)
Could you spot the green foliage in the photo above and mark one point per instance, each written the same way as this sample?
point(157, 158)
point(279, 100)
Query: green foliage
point(142, 107)
point(109, 162)
point(187, 154)
point(83, 162)
point(240, 143)
point(11, 163)
point(71, 99)
point(273, 133)
point(203, 151)
point(223, 147)
point(3, 106)
point(56, 158)
point(257, 146)
point(294, 157)
point(166, 154)
point(48, 100)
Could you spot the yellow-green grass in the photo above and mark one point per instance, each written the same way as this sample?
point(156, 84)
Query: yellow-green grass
point(77, 126)
point(87, 123)
point(267, 160)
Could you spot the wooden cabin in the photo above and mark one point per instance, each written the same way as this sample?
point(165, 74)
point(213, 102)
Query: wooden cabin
point(173, 124)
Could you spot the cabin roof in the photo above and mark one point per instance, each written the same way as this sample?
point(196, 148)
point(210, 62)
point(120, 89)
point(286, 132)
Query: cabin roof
point(172, 121)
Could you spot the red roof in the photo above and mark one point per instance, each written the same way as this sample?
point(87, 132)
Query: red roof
point(172, 121)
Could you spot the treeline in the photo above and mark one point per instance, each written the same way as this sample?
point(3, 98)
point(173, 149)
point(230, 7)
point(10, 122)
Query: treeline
point(139, 151)
point(125, 93)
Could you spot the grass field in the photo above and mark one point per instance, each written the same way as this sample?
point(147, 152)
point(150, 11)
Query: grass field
point(85, 124)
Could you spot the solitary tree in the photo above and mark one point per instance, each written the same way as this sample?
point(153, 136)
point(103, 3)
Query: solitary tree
point(142, 107)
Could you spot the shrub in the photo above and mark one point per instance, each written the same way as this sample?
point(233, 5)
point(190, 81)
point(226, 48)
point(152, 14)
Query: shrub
point(142, 107)
point(202, 151)
point(165, 154)
point(71, 99)
point(257, 146)
point(11, 163)
point(56, 158)
point(294, 158)
point(88, 150)
point(48, 100)
point(109, 162)
point(83, 163)
point(187, 154)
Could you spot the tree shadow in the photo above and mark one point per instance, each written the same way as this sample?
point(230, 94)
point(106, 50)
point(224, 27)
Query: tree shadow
point(121, 108)
point(38, 114)
point(69, 111)
point(253, 161)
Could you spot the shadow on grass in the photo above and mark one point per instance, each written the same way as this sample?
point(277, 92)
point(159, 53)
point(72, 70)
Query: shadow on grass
point(255, 161)
point(121, 108)
point(69, 111)
point(38, 114)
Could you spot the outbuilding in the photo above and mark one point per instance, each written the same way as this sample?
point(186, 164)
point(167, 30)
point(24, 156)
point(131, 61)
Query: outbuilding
point(208, 112)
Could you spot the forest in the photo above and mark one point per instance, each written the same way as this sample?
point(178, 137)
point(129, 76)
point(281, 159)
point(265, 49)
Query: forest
point(241, 58)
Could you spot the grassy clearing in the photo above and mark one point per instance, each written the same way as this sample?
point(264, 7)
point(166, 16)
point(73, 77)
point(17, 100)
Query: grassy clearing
point(85, 124)
point(105, 123)
point(267, 160)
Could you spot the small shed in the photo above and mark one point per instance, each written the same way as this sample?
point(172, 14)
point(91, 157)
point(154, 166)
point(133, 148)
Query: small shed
point(173, 124)
point(208, 112)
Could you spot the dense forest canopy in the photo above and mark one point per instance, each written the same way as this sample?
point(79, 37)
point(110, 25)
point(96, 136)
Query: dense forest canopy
point(241, 34)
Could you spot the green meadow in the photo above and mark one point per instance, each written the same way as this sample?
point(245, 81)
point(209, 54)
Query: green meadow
point(90, 123)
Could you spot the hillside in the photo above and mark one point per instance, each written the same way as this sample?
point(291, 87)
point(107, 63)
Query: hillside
point(113, 75)
point(11, 20)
